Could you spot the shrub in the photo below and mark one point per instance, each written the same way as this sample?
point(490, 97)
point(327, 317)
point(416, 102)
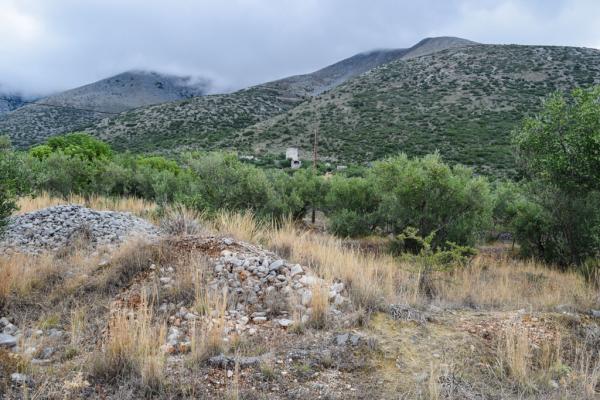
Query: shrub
point(13, 180)
point(559, 152)
point(432, 197)
point(77, 144)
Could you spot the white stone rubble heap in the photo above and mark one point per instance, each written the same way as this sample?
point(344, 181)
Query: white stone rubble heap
point(55, 227)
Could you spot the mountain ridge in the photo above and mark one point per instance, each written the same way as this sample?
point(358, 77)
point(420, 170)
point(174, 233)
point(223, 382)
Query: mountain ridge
point(209, 121)
point(32, 123)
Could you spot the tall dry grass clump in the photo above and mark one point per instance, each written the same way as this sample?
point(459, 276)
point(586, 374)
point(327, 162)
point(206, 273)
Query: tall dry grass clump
point(132, 349)
point(208, 333)
point(529, 365)
point(319, 305)
point(242, 226)
point(179, 220)
point(21, 274)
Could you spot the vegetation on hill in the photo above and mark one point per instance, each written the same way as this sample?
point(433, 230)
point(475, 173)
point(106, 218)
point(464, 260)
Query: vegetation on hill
point(185, 122)
point(201, 122)
point(461, 102)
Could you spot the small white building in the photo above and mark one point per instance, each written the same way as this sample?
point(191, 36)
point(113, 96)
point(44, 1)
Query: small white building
point(292, 154)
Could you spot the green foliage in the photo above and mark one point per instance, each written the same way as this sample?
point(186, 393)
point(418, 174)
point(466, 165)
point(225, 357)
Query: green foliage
point(62, 174)
point(77, 144)
point(418, 249)
point(351, 203)
point(423, 193)
point(11, 182)
point(429, 195)
point(159, 163)
point(557, 217)
point(448, 203)
point(562, 144)
point(557, 226)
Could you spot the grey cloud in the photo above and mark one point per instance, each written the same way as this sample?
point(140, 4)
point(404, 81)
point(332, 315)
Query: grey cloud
point(50, 45)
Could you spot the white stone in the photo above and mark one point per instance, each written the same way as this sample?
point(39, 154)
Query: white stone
point(285, 322)
point(296, 269)
point(310, 280)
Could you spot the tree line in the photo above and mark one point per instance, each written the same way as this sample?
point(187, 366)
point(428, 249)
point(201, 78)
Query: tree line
point(552, 210)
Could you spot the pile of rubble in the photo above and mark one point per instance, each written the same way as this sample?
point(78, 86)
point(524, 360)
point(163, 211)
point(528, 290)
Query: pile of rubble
point(56, 227)
point(263, 291)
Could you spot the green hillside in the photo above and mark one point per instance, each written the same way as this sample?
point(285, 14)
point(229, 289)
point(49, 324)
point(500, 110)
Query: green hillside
point(206, 122)
point(462, 102)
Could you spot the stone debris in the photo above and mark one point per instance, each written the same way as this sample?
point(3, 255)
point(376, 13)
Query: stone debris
point(263, 291)
point(402, 312)
point(56, 227)
point(19, 379)
point(225, 362)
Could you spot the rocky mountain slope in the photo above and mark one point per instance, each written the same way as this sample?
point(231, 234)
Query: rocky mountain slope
point(334, 75)
point(463, 102)
point(209, 122)
point(33, 123)
point(9, 102)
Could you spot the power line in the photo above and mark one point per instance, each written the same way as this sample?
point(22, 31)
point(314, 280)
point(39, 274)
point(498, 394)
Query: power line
point(58, 106)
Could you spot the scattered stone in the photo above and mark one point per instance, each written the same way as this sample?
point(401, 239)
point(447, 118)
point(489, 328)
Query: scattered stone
point(402, 312)
point(7, 341)
point(285, 322)
point(341, 340)
point(47, 353)
point(595, 313)
point(55, 333)
point(310, 280)
point(19, 379)
point(228, 362)
point(10, 329)
point(276, 265)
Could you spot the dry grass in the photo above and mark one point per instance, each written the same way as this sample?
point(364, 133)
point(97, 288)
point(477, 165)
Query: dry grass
point(377, 279)
point(21, 274)
point(242, 226)
point(372, 280)
point(132, 348)
point(179, 220)
point(532, 367)
point(207, 337)
point(319, 304)
point(133, 205)
point(512, 284)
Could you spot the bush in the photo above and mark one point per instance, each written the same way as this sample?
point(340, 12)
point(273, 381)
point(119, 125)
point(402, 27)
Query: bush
point(77, 144)
point(558, 217)
point(14, 180)
point(557, 226)
point(432, 197)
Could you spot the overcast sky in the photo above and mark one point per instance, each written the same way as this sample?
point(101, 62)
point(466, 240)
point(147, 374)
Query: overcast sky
point(51, 45)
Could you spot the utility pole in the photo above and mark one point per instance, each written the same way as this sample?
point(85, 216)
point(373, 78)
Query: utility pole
point(315, 148)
